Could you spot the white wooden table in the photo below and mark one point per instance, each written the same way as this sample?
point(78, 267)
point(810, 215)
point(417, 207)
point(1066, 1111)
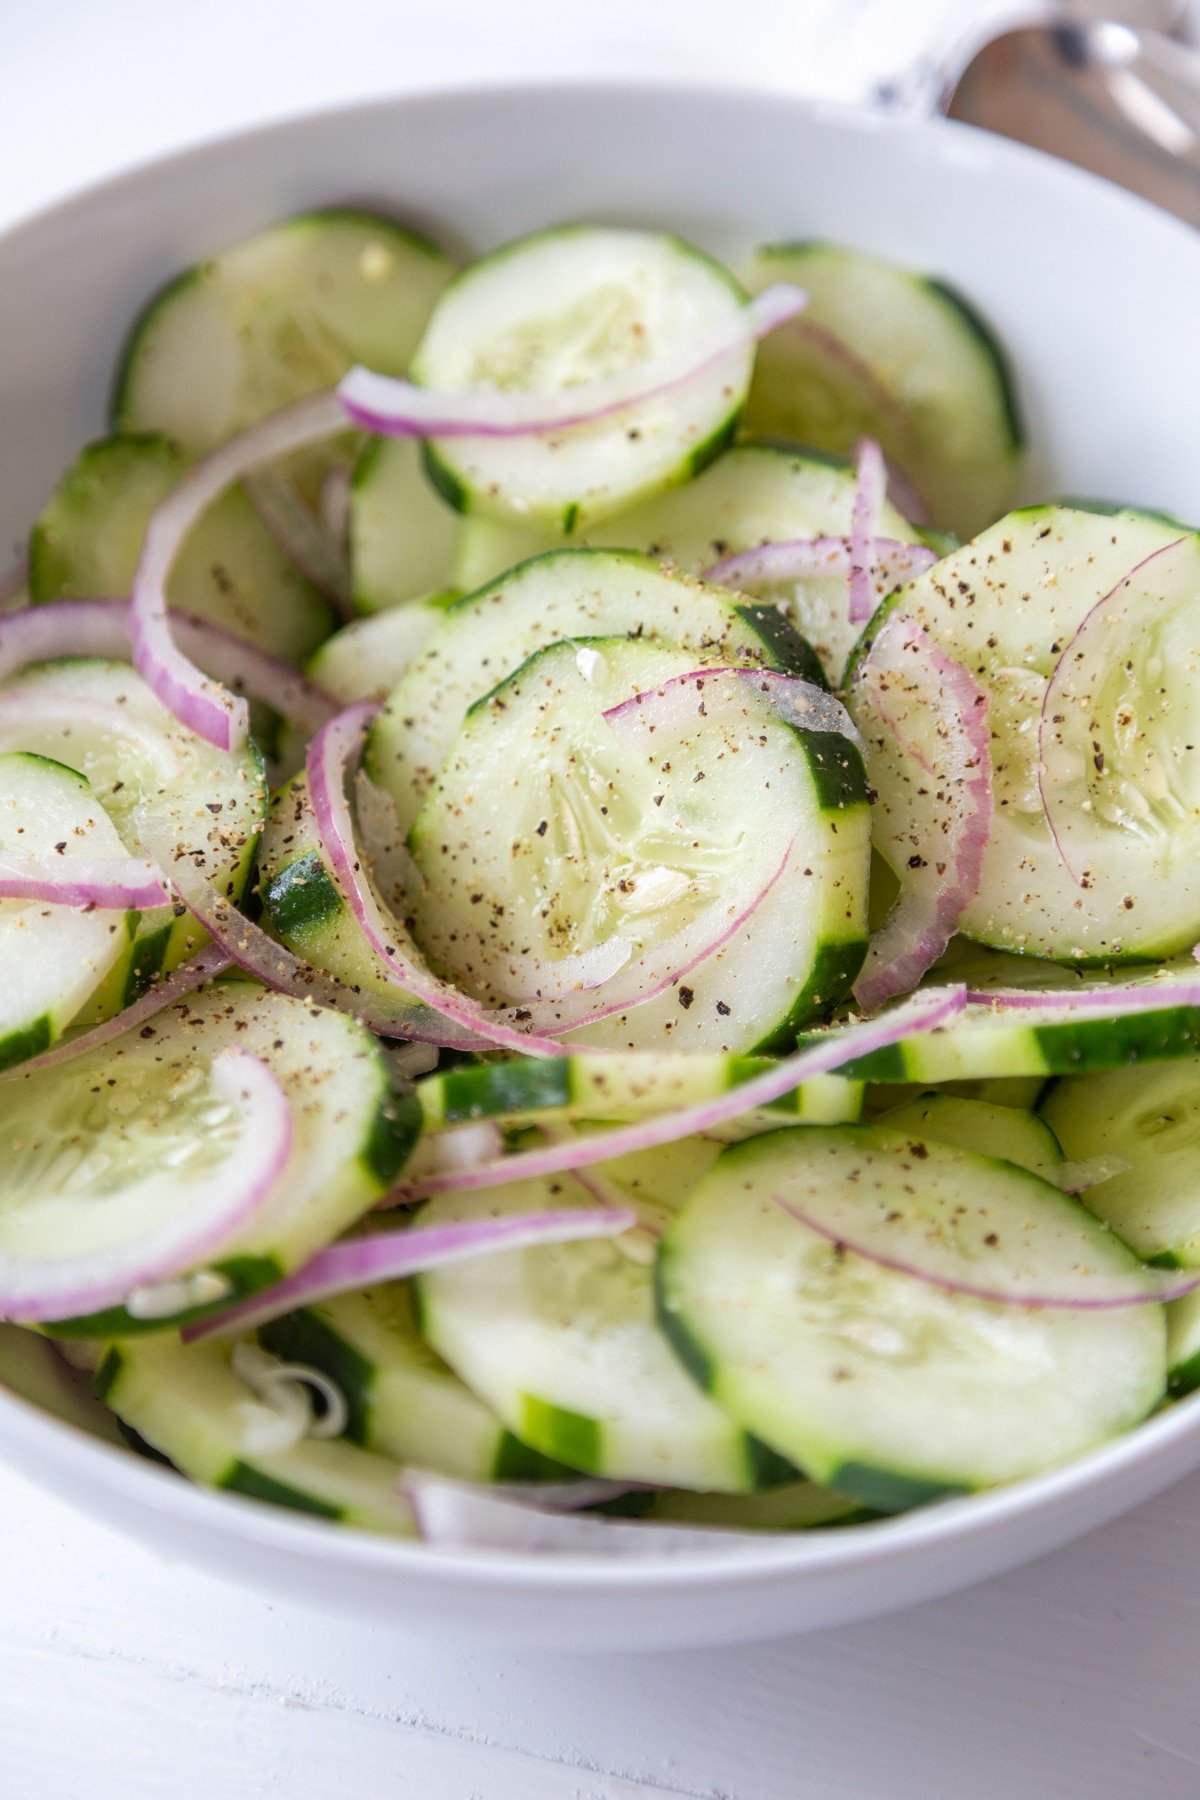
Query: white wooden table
point(121, 1677)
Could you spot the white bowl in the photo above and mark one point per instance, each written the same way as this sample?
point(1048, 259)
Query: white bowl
point(1094, 294)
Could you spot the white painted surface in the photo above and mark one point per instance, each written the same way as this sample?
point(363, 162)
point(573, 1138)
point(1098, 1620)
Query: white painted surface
point(122, 1675)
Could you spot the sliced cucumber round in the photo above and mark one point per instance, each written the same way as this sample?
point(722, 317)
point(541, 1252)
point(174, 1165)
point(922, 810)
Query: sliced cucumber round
point(570, 306)
point(1007, 607)
point(881, 352)
point(546, 835)
point(88, 538)
point(403, 536)
point(1004, 1133)
point(573, 593)
point(752, 494)
point(280, 315)
point(1147, 1119)
point(561, 1342)
point(190, 1406)
point(54, 957)
point(365, 659)
point(209, 802)
point(109, 1127)
point(401, 1398)
point(882, 1386)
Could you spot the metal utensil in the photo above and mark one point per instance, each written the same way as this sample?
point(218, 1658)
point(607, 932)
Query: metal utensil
point(1122, 102)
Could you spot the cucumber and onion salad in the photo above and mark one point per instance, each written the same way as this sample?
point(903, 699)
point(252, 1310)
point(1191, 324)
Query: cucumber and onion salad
point(684, 1008)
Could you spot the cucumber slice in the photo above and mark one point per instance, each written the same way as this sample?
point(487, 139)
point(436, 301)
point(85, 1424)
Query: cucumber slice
point(1003, 1133)
point(141, 1106)
point(884, 1387)
point(614, 1087)
point(188, 1404)
point(53, 957)
point(561, 1342)
point(88, 538)
point(210, 802)
point(402, 1399)
point(403, 536)
point(546, 835)
point(881, 352)
point(752, 494)
point(573, 593)
point(570, 306)
point(1006, 606)
point(280, 315)
point(1149, 1119)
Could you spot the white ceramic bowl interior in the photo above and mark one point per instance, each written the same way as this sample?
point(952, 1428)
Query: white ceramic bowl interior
point(1094, 295)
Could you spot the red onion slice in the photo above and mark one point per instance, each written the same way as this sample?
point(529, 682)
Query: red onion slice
point(801, 559)
point(393, 1255)
point(1107, 999)
point(921, 1012)
point(456, 1515)
point(158, 1250)
point(119, 883)
point(931, 717)
point(1068, 757)
point(198, 702)
point(248, 946)
point(870, 490)
point(101, 628)
point(944, 1242)
point(165, 991)
point(328, 754)
point(402, 409)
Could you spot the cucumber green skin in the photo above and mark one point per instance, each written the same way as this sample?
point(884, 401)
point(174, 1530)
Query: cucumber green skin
point(304, 1337)
point(959, 1052)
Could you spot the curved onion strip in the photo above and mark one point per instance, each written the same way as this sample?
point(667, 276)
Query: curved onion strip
point(457, 1515)
point(328, 754)
point(301, 534)
point(393, 1255)
point(119, 883)
point(247, 945)
point(165, 991)
point(1114, 999)
point(870, 489)
point(1062, 702)
point(402, 409)
point(940, 728)
point(25, 710)
point(930, 1250)
point(219, 1207)
point(800, 559)
point(921, 1012)
point(101, 628)
point(198, 702)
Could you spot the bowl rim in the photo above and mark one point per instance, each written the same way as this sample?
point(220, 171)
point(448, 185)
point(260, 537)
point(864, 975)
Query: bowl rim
point(27, 1427)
